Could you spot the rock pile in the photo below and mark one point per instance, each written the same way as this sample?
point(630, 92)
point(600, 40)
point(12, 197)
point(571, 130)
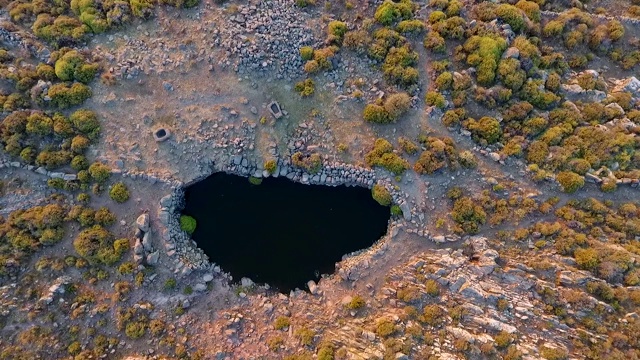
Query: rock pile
point(143, 251)
point(178, 245)
point(266, 36)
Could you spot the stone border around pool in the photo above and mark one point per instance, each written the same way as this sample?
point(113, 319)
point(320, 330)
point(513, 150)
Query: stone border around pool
point(188, 257)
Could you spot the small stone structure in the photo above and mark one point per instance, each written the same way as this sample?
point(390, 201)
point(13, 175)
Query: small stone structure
point(161, 134)
point(275, 110)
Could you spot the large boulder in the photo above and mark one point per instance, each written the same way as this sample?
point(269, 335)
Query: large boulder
point(143, 222)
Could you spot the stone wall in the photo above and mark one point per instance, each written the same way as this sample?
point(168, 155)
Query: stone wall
point(185, 252)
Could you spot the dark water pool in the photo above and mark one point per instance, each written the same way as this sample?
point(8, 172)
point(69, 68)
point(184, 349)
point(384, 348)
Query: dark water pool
point(280, 232)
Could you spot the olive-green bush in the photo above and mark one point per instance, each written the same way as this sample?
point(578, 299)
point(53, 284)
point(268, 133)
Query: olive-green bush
point(187, 224)
point(382, 155)
point(119, 192)
point(381, 195)
point(570, 181)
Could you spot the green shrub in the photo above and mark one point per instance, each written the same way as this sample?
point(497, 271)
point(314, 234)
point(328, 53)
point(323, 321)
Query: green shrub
point(79, 144)
point(537, 152)
point(381, 195)
point(357, 302)
point(396, 105)
point(410, 26)
point(99, 172)
point(553, 353)
point(306, 53)
point(434, 98)
point(104, 216)
point(170, 284)
point(530, 8)
point(96, 244)
point(444, 81)
point(337, 28)
point(396, 210)
point(255, 180)
point(271, 166)
point(553, 28)
point(135, 330)
point(511, 15)
point(487, 128)
point(453, 117)
point(187, 224)
point(570, 181)
point(86, 122)
point(588, 258)
point(39, 124)
point(79, 162)
point(407, 145)
point(309, 162)
point(119, 192)
point(305, 88)
point(608, 185)
point(428, 163)
point(374, 113)
point(385, 328)
point(382, 155)
point(432, 288)
point(511, 74)
point(434, 42)
point(281, 323)
point(63, 96)
point(468, 214)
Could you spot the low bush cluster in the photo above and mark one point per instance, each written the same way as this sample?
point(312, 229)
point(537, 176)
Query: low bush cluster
point(309, 162)
point(382, 155)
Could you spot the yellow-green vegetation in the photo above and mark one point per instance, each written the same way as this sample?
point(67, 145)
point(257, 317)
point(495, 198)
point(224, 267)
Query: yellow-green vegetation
point(281, 323)
point(305, 335)
point(487, 129)
point(381, 195)
point(97, 245)
point(382, 155)
point(389, 111)
point(570, 181)
point(25, 231)
point(119, 192)
point(306, 53)
point(99, 172)
point(75, 21)
point(305, 87)
point(434, 98)
point(468, 215)
point(309, 162)
point(439, 153)
point(385, 327)
point(357, 302)
point(187, 224)
point(255, 180)
point(49, 140)
point(270, 166)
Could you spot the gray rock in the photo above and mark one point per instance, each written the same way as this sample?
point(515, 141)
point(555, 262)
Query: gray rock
point(165, 201)
point(313, 288)
point(146, 242)
point(511, 52)
point(138, 249)
point(143, 222)
point(200, 287)
point(164, 216)
point(152, 258)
